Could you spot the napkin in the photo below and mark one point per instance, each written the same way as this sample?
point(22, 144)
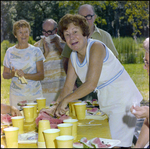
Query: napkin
point(22, 79)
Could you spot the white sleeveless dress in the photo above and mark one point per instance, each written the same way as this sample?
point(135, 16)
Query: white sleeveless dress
point(116, 93)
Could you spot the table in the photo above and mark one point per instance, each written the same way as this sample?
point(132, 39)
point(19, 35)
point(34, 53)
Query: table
point(89, 132)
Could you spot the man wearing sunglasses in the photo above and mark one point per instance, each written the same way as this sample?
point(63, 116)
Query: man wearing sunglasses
point(51, 45)
point(88, 12)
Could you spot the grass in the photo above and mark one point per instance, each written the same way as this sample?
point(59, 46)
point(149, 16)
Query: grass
point(136, 72)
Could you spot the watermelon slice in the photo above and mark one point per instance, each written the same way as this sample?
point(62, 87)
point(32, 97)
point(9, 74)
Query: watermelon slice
point(94, 99)
point(86, 143)
point(96, 142)
point(6, 119)
point(52, 103)
point(89, 102)
point(77, 145)
point(83, 140)
point(92, 111)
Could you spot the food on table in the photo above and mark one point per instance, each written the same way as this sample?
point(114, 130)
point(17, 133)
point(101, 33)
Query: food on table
point(86, 143)
point(92, 111)
point(22, 103)
point(6, 119)
point(89, 102)
point(53, 103)
point(77, 145)
point(53, 121)
point(97, 143)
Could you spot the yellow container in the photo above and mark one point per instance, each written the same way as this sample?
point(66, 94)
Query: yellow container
point(11, 135)
point(80, 109)
point(64, 141)
point(35, 108)
point(41, 103)
point(71, 107)
point(28, 113)
point(65, 129)
point(18, 121)
point(50, 137)
point(43, 125)
point(74, 127)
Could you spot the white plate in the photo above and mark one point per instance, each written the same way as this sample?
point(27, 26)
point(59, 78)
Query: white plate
point(27, 141)
point(110, 141)
point(28, 138)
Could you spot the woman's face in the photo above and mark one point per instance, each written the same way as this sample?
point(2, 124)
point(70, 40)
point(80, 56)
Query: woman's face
point(146, 61)
point(74, 38)
point(22, 35)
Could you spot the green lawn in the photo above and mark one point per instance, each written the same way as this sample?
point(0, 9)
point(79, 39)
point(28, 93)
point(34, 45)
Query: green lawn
point(136, 71)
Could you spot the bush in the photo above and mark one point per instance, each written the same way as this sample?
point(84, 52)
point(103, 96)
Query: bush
point(5, 44)
point(129, 51)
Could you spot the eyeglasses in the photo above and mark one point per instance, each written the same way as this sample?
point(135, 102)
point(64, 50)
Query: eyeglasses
point(49, 32)
point(145, 61)
point(89, 17)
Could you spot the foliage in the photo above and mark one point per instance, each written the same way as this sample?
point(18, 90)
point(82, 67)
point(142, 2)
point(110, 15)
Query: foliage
point(119, 18)
point(4, 46)
point(129, 51)
point(138, 15)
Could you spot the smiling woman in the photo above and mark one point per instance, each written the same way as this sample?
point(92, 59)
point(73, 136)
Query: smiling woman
point(100, 71)
point(23, 61)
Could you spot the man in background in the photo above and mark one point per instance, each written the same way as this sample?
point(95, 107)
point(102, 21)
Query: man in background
point(51, 45)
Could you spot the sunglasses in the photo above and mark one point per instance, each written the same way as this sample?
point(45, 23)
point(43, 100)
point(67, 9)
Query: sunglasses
point(49, 32)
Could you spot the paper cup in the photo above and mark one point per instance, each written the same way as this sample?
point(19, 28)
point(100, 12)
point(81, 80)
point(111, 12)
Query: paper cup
point(50, 137)
point(74, 127)
point(28, 113)
point(41, 103)
point(43, 125)
point(64, 141)
point(18, 121)
point(65, 129)
point(80, 109)
point(71, 107)
point(11, 135)
point(35, 108)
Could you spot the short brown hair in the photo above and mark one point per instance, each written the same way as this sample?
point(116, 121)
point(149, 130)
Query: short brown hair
point(21, 23)
point(77, 20)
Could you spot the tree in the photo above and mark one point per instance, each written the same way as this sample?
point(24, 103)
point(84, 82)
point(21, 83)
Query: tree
point(138, 15)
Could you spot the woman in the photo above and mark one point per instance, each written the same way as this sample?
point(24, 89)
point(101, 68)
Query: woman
point(143, 112)
point(99, 70)
point(23, 61)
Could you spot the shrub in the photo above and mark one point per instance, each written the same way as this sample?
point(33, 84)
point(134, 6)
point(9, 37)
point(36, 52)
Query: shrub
point(129, 51)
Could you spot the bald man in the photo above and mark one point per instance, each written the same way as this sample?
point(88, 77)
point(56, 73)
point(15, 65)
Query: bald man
point(51, 45)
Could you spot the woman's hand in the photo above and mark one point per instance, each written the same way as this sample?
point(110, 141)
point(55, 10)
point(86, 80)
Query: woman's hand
point(61, 109)
point(20, 73)
point(51, 110)
point(140, 112)
point(14, 111)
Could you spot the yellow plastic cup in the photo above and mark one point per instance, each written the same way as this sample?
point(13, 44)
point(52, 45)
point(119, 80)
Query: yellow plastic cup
point(41, 102)
point(65, 129)
point(50, 137)
point(11, 135)
point(74, 127)
point(80, 109)
point(28, 113)
point(64, 141)
point(18, 121)
point(43, 125)
point(71, 106)
point(35, 108)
